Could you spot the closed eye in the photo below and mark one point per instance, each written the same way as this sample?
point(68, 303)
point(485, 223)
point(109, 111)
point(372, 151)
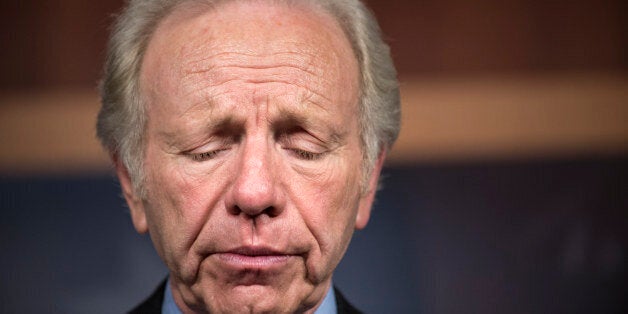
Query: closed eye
point(206, 155)
point(304, 154)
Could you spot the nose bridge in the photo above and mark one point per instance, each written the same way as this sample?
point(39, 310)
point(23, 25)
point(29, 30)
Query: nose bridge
point(254, 187)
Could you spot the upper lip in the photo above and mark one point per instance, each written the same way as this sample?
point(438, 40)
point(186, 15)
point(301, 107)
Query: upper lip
point(255, 251)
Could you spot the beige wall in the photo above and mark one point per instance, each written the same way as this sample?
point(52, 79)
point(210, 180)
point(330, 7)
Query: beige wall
point(446, 119)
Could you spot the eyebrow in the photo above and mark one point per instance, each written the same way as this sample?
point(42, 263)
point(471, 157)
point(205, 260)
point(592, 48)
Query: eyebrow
point(222, 125)
point(289, 121)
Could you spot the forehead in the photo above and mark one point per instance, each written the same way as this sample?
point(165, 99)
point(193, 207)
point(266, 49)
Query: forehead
point(195, 48)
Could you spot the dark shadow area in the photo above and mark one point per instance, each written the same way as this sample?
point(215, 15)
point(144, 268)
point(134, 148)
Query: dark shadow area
point(503, 237)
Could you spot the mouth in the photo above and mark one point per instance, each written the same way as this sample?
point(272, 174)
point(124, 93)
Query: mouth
point(258, 258)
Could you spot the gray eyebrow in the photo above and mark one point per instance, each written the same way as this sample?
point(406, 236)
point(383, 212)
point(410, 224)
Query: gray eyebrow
point(288, 121)
point(227, 124)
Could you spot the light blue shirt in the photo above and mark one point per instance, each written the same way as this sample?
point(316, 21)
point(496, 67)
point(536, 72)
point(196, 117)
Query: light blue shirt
point(327, 307)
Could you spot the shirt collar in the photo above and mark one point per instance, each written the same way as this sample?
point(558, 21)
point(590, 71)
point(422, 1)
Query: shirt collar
point(168, 306)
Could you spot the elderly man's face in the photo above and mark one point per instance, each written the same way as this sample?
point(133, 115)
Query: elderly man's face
point(253, 156)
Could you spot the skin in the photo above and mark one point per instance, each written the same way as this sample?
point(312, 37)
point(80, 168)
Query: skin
point(253, 156)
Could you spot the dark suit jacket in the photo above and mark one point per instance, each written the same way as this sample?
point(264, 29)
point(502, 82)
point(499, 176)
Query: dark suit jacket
point(152, 305)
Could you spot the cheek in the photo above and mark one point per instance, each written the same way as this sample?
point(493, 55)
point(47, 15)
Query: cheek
point(330, 208)
point(343, 210)
point(341, 189)
point(179, 203)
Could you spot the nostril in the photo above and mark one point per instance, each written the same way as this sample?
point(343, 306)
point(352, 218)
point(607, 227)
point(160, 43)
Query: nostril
point(234, 210)
point(270, 211)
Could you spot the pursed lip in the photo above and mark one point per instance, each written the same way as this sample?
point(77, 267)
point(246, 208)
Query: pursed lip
point(251, 257)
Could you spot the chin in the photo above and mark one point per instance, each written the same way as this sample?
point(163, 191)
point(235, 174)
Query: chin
point(258, 299)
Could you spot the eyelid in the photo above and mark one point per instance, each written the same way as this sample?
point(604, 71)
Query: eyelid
point(206, 155)
point(306, 155)
point(208, 150)
point(306, 147)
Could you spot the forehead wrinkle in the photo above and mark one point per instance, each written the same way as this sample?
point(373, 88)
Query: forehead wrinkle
point(301, 59)
point(258, 67)
point(307, 90)
point(208, 60)
point(308, 98)
point(218, 72)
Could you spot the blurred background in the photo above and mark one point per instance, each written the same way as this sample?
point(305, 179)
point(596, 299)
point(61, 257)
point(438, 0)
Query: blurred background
point(506, 193)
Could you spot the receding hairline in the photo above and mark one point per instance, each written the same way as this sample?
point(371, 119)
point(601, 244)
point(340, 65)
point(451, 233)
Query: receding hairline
point(190, 9)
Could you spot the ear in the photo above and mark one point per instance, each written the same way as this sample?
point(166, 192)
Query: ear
point(364, 209)
point(138, 215)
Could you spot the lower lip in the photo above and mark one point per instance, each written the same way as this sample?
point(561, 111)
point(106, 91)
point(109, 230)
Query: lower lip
point(257, 262)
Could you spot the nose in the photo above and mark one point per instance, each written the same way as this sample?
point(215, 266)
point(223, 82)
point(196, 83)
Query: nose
point(254, 190)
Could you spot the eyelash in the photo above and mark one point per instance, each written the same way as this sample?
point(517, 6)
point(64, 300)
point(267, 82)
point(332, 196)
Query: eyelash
point(299, 153)
point(206, 155)
point(305, 155)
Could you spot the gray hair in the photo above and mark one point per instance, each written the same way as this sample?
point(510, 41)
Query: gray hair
point(122, 117)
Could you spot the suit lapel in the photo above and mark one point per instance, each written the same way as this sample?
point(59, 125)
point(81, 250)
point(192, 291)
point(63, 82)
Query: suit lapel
point(343, 306)
point(153, 304)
